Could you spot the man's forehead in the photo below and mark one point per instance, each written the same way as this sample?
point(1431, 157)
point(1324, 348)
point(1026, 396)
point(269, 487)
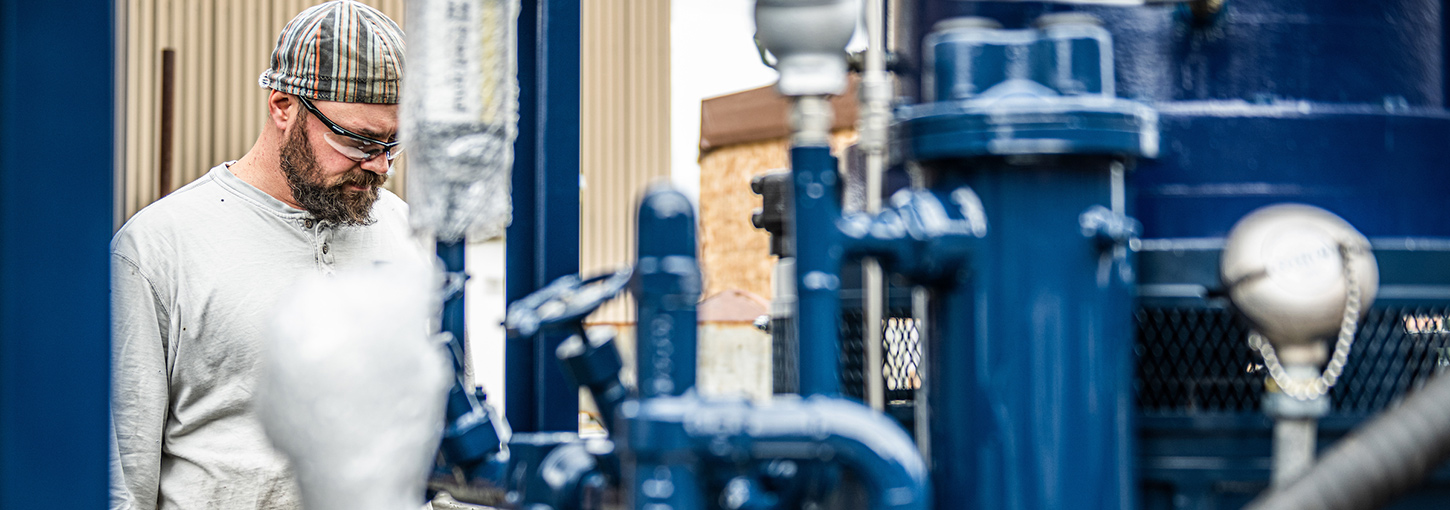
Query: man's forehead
point(378, 121)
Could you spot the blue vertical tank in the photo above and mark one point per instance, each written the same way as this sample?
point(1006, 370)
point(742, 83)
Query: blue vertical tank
point(1029, 373)
point(1209, 114)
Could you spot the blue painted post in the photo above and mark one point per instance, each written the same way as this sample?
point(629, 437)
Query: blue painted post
point(668, 288)
point(56, 220)
point(818, 265)
point(453, 255)
point(543, 240)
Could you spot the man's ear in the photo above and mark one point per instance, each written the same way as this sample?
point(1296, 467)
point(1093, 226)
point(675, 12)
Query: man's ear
point(281, 109)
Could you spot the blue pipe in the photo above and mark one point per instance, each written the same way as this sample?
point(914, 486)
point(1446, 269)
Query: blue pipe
point(470, 436)
point(454, 255)
point(543, 239)
point(818, 266)
point(592, 361)
point(667, 287)
point(674, 439)
point(56, 221)
point(926, 235)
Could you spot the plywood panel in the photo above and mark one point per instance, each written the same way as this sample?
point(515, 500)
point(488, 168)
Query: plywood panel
point(733, 253)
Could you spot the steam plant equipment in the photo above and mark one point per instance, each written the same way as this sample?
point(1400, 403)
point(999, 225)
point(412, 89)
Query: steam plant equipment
point(1159, 254)
point(1154, 254)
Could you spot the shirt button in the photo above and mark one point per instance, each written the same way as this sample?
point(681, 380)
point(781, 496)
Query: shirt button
point(307, 223)
point(324, 249)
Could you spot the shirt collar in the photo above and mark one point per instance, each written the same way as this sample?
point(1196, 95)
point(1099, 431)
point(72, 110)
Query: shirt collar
point(242, 188)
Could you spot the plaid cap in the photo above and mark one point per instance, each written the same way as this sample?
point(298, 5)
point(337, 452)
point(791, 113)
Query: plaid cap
point(338, 51)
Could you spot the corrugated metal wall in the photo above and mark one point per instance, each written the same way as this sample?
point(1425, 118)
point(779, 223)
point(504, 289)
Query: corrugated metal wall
point(625, 131)
point(221, 46)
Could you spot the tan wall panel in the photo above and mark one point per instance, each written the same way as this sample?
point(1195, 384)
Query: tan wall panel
point(624, 129)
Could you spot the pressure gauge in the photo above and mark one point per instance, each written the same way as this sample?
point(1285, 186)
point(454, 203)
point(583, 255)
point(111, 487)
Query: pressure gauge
point(1289, 268)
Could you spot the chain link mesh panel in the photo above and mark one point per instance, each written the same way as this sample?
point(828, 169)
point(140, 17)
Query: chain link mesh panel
point(1197, 361)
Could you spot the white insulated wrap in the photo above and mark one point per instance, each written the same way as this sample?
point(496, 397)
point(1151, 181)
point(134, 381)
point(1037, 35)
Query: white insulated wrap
point(459, 115)
point(353, 385)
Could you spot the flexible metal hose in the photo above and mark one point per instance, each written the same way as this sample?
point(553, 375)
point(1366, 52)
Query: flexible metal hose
point(1377, 462)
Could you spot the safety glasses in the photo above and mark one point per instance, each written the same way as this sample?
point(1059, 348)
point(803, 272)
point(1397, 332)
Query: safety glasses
point(352, 145)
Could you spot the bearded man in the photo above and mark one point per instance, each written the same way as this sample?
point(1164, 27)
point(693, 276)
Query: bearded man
point(196, 275)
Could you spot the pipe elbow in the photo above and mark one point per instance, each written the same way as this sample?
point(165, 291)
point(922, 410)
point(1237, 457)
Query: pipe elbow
point(851, 435)
point(876, 448)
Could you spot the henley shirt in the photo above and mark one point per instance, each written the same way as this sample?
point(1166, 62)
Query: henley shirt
point(195, 278)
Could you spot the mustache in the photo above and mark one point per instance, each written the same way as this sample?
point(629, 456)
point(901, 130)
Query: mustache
point(362, 178)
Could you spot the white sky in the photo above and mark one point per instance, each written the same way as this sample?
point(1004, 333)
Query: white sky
point(711, 54)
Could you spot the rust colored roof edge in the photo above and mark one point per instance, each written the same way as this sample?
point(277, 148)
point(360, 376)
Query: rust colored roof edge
point(761, 114)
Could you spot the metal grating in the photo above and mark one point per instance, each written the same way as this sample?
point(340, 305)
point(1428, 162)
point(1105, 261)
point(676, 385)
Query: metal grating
point(901, 355)
point(1196, 361)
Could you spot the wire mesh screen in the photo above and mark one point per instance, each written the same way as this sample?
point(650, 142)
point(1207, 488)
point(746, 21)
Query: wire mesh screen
point(901, 354)
point(1196, 360)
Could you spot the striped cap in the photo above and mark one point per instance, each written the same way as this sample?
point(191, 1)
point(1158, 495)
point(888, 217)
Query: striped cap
point(338, 51)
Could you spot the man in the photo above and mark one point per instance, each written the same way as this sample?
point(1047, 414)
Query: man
point(196, 275)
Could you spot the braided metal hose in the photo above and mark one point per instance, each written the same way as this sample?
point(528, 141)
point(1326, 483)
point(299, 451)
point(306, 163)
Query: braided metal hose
point(1376, 463)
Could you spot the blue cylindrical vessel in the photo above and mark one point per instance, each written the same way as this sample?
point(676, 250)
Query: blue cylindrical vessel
point(1030, 375)
point(1029, 378)
point(1334, 103)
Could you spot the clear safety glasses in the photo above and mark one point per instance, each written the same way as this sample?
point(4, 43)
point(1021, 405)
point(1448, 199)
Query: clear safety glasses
point(352, 145)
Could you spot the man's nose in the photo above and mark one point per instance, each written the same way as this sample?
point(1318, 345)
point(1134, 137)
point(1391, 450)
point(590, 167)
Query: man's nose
point(377, 165)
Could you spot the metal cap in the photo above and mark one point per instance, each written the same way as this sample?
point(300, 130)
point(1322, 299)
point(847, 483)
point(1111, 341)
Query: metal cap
point(1285, 269)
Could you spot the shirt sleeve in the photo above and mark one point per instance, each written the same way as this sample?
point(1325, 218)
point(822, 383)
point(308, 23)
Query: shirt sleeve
point(139, 396)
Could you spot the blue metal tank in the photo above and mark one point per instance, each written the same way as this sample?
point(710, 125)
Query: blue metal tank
point(1334, 103)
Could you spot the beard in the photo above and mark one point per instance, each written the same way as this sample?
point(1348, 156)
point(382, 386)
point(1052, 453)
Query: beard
point(333, 202)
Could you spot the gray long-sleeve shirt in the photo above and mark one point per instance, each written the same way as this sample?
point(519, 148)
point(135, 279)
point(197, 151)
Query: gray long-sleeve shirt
point(195, 277)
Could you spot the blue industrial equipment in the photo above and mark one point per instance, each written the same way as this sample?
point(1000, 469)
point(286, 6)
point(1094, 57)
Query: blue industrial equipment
point(1075, 169)
point(1029, 351)
point(1337, 104)
point(668, 445)
point(543, 238)
point(57, 214)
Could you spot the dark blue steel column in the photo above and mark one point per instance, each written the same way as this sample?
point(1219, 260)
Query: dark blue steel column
point(668, 289)
point(543, 240)
point(1031, 405)
point(56, 220)
point(818, 268)
point(1030, 375)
